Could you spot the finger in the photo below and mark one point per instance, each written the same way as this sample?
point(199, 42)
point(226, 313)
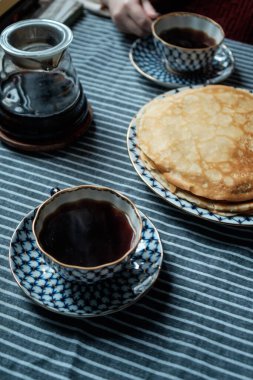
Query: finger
point(129, 26)
point(137, 13)
point(149, 9)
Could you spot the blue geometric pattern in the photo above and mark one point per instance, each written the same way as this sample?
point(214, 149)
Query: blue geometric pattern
point(146, 60)
point(159, 189)
point(49, 289)
point(182, 60)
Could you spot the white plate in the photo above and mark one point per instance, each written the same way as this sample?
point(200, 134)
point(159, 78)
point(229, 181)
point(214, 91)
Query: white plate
point(146, 61)
point(159, 189)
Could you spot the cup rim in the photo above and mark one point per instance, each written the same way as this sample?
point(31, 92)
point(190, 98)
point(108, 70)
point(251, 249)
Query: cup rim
point(76, 188)
point(190, 14)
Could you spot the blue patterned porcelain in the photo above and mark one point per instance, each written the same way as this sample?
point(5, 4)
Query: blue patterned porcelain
point(186, 59)
point(159, 189)
point(75, 194)
point(179, 61)
point(146, 61)
point(44, 285)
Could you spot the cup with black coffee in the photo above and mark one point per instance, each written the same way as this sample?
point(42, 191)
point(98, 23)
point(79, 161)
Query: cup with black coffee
point(186, 42)
point(87, 233)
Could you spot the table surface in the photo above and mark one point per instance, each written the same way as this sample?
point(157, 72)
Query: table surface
point(197, 320)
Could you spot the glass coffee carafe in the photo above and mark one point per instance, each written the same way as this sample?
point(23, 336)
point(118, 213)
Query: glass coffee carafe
point(41, 98)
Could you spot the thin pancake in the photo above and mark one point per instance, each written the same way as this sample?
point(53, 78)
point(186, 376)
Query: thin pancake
point(201, 141)
point(219, 207)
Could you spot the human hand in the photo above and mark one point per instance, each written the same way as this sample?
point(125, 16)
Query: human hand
point(132, 16)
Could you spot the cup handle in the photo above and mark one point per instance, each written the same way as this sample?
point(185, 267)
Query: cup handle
point(54, 190)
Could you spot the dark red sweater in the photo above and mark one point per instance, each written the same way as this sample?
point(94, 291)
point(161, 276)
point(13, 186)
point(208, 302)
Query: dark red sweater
point(235, 16)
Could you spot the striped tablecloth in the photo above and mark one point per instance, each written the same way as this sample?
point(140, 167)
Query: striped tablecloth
point(197, 321)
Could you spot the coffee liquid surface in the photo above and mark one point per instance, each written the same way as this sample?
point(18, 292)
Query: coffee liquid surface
point(37, 93)
point(187, 38)
point(87, 233)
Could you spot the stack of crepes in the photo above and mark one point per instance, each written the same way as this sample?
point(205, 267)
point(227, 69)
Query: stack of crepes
point(198, 143)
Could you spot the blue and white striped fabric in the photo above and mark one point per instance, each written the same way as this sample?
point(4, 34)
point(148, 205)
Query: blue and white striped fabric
point(197, 320)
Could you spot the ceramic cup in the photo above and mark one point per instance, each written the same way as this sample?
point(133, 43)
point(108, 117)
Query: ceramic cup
point(182, 59)
point(88, 274)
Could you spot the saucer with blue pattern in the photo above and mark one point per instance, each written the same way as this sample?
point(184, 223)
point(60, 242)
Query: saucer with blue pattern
point(149, 179)
point(44, 285)
point(145, 59)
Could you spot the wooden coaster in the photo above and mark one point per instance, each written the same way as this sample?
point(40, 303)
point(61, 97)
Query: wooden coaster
point(50, 146)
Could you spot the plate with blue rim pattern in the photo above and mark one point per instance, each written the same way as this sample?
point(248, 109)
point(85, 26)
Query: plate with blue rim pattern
point(46, 287)
point(147, 177)
point(145, 59)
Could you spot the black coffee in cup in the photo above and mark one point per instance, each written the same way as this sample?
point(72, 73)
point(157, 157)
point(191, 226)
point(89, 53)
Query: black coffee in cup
point(87, 233)
point(186, 42)
point(187, 38)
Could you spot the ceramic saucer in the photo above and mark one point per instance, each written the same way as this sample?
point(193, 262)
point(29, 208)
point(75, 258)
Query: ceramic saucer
point(146, 61)
point(46, 287)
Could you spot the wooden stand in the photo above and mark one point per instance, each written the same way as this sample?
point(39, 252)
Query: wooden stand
point(50, 146)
